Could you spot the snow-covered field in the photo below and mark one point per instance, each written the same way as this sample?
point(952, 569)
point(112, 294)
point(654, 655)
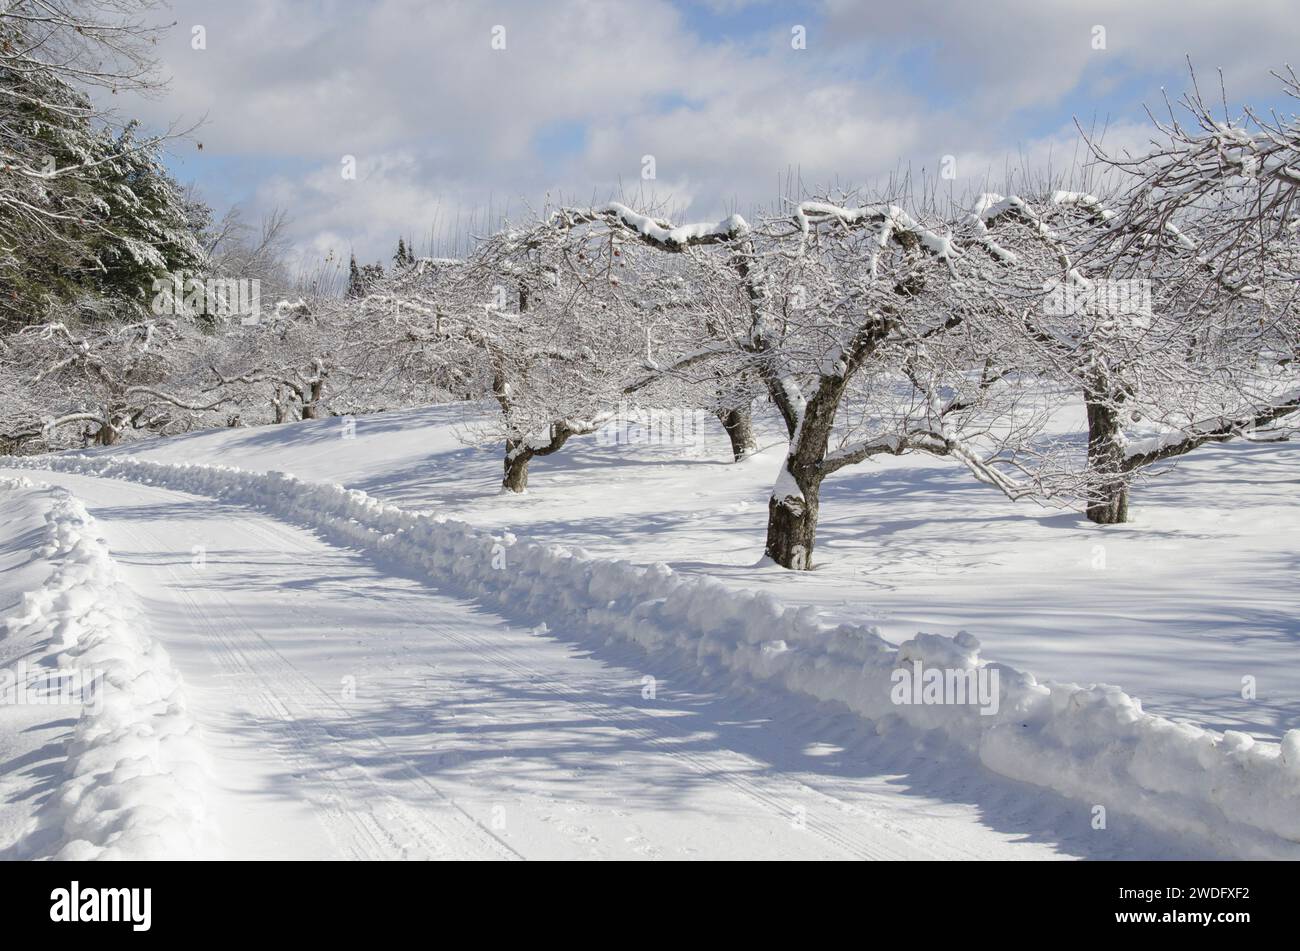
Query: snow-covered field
point(1197, 592)
point(361, 693)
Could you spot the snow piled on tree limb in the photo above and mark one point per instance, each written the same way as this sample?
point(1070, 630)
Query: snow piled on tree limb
point(888, 220)
point(1094, 744)
point(657, 231)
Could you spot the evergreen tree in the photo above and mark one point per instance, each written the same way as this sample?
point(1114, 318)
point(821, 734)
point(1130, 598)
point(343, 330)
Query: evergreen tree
point(356, 285)
point(148, 233)
point(88, 219)
point(43, 130)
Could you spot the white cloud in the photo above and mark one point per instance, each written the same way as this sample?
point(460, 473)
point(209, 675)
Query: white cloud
point(440, 122)
point(1008, 54)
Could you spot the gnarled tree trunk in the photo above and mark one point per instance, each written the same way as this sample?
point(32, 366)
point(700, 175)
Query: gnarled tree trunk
point(792, 518)
point(739, 425)
point(113, 420)
point(280, 405)
point(516, 466)
point(793, 506)
point(311, 405)
point(792, 509)
point(520, 452)
point(1108, 476)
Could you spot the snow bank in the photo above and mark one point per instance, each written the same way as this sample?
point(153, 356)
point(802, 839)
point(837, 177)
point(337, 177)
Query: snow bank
point(1093, 744)
point(134, 779)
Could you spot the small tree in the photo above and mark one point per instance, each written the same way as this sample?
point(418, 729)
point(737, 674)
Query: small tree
point(356, 283)
point(685, 292)
point(540, 310)
point(893, 319)
point(148, 376)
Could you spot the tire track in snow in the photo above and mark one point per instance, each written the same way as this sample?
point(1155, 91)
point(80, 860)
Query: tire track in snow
point(858, 836)
point(349, 791)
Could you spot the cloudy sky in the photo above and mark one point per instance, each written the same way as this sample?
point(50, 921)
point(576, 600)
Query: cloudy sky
point(444, 124)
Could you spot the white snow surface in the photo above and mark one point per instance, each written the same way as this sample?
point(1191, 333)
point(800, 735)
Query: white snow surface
point(1180, 606)
point(132, 779)
point(1094, 745)
point(355, 712)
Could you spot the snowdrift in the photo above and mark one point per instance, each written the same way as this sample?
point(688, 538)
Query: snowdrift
point(133, 785)
point(1094, 744)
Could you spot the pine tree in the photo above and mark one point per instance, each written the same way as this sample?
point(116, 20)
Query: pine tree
point(90, 241)
point(400, 258)
point(356, 285)
point(40, 257)
point(148, 233)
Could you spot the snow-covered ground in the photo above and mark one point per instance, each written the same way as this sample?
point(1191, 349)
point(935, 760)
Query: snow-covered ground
point(1197, 592)
point(105, 759)
point(351, 712)
point(352, 704)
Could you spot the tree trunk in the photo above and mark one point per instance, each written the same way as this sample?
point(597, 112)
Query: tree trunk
point(1108, 479)
point(740, 430)
point(280, 406)
point(792, 522)
point(516, 467)
point(311, 406)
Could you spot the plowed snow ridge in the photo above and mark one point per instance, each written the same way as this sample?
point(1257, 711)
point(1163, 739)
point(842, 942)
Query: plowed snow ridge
point(134, 781)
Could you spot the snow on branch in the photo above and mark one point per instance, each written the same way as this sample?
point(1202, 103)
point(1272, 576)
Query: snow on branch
point(655, 231)
point(1139, 453)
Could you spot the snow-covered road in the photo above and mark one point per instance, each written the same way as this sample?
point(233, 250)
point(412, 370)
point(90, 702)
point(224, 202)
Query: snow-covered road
point(353, 712)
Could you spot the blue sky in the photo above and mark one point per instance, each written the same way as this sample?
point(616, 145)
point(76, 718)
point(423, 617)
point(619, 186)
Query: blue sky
point(440, 123)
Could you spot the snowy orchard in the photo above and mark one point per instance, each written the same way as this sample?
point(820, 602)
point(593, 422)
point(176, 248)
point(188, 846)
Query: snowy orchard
point(865, 325)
